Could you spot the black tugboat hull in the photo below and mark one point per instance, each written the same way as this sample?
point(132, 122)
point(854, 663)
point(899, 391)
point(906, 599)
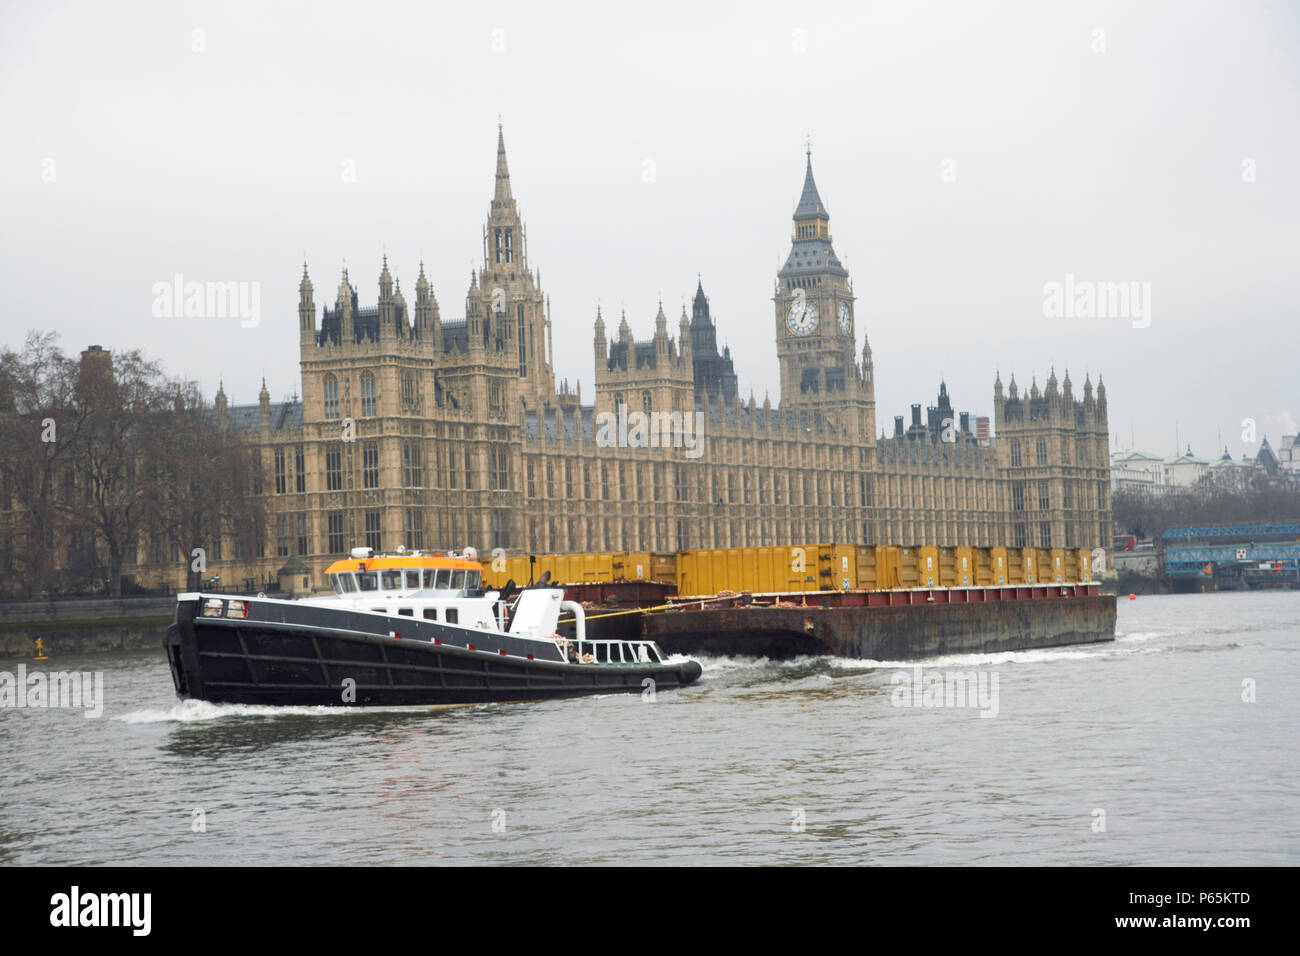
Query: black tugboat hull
point(288, 662)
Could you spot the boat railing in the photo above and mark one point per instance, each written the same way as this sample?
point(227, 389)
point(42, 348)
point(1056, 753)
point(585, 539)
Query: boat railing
point(610, 651)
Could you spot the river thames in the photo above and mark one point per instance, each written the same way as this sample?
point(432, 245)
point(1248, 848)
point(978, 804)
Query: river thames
point(1173, 745)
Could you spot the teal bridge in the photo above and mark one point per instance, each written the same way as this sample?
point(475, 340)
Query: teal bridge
point(1264, 546)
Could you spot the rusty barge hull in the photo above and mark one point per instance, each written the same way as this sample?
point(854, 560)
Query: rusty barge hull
point(890, 625)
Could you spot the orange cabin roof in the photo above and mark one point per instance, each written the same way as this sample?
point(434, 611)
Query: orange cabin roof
point(406, 561)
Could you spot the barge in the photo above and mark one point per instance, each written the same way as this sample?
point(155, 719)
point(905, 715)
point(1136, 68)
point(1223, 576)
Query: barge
point(869, 602)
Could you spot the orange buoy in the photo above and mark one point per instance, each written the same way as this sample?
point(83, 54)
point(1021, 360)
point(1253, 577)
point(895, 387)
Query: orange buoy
point(1132, 597)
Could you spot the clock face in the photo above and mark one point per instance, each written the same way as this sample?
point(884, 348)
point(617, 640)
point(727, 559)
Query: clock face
point(802, 318)
point(846, 318)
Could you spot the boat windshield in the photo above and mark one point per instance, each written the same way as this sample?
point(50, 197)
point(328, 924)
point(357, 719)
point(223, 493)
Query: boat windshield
point(368, 581)
point(392, 580)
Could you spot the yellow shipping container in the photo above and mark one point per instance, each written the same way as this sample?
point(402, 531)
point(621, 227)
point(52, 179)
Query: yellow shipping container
point(927, 566)
point(999, 569)
point(963, 567)
point(1057, 565)
point(907, 569)
point(1084, 562)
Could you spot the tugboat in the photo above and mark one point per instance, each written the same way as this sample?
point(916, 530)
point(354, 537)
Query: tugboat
point(409, 628)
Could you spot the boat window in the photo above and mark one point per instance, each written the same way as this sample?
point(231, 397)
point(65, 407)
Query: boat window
point(430, 577)
point(431, 613)
point(406, 611)
point(413, 579)
point(453, 615)
point(475, 579)
point(348, 582)
point(392, 580)
point(458, 580)
point(368, 581)
point(334, 582)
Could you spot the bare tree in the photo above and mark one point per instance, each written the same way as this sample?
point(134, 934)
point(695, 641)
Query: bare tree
point(39, 422)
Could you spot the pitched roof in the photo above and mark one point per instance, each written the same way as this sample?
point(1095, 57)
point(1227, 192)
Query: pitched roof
point(810, 203)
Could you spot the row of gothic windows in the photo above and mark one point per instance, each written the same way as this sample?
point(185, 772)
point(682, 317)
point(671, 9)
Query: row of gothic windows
point(369, 394)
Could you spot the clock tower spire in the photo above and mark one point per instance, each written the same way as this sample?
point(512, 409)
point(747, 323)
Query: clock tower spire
point(815, 324)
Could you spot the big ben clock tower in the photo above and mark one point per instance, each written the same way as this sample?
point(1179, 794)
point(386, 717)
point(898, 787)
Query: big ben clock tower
point(815, 326)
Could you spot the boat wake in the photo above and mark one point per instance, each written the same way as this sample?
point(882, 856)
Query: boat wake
point(1125, 645)
point(196, 711)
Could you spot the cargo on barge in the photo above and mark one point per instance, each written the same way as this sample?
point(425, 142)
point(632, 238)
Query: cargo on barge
point(876, 602)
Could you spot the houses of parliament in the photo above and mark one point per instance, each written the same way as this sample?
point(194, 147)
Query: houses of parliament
point(434, 433)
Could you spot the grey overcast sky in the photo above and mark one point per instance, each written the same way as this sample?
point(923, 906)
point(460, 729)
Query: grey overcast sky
point(969, 154)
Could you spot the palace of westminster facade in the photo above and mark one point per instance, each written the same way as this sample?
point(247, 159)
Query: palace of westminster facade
point(435, 434)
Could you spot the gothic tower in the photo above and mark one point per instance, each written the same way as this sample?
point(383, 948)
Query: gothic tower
point(815, 326)
point(511, 302)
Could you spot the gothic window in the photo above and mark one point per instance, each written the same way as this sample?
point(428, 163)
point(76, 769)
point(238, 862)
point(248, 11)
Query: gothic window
point(282, 536)
point(367, 394)
point(1044, 502)
point(372, 530)
point(370, 464)
point(498, 468)
point(501, 529)
point(1041, 451)
point(1045, 534)
point(618, 402)
point(414, 529)
point(299, 470)
point(336, 532)
point(408, 389)
point(302, 535)
point(645, 402)
point(510, 249)
point(412, 466)
point(1015, 453)
point(333, 470)
point(279, 471)
point(331, 397)
point(498, 245)
point(1018, 497)
point(1018, 535)
point(523, 342)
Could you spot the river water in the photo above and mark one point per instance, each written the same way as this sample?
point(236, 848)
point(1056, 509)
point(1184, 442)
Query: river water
point(1141, 751)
